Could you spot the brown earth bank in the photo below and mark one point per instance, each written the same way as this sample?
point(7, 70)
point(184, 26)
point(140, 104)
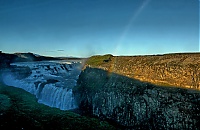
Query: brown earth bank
point(179, 69)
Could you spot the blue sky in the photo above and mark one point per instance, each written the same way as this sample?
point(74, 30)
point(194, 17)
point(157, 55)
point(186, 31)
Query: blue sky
point(88, 27)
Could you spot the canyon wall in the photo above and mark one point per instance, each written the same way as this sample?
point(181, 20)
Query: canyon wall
point(180, 70)
point(142, 92)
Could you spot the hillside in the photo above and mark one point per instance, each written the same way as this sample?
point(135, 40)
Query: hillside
point(180, 70)
point(6, 59)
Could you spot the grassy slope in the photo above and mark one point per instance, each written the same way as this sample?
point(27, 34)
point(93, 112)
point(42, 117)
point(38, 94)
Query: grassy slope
point(20, 110)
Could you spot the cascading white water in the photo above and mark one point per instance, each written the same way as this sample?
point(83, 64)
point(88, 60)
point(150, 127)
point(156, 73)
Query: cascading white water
point(57, 97)
point(50, 82)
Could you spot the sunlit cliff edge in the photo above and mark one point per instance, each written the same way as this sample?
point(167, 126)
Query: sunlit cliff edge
point(177, 70)
point(142, 92)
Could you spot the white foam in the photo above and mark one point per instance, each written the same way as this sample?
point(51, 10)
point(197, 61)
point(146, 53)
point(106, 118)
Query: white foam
point(57, 97)
point(57, 94)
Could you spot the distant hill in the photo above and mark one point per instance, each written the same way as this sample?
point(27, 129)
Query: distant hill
point(6, 59)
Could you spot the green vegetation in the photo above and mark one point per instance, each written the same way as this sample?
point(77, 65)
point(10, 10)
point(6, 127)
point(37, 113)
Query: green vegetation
point(20, 110)
point(99, 60)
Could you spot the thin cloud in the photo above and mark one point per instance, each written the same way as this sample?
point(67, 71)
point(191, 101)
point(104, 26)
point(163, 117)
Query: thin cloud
point(60, 50)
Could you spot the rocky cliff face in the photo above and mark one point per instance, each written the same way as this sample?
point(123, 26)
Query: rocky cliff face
point(134, 104)
point(109, 89)
point(181, 70)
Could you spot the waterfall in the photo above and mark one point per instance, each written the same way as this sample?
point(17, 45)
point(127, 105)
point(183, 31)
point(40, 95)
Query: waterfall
point(50, 82)
point(57, 97)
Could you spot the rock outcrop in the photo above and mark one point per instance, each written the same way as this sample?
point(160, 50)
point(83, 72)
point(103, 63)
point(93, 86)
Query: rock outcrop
point(142, 92)
point(134, 104)
point(180, 70)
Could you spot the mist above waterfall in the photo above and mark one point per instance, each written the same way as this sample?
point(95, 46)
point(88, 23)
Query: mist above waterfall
point(50, 81)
